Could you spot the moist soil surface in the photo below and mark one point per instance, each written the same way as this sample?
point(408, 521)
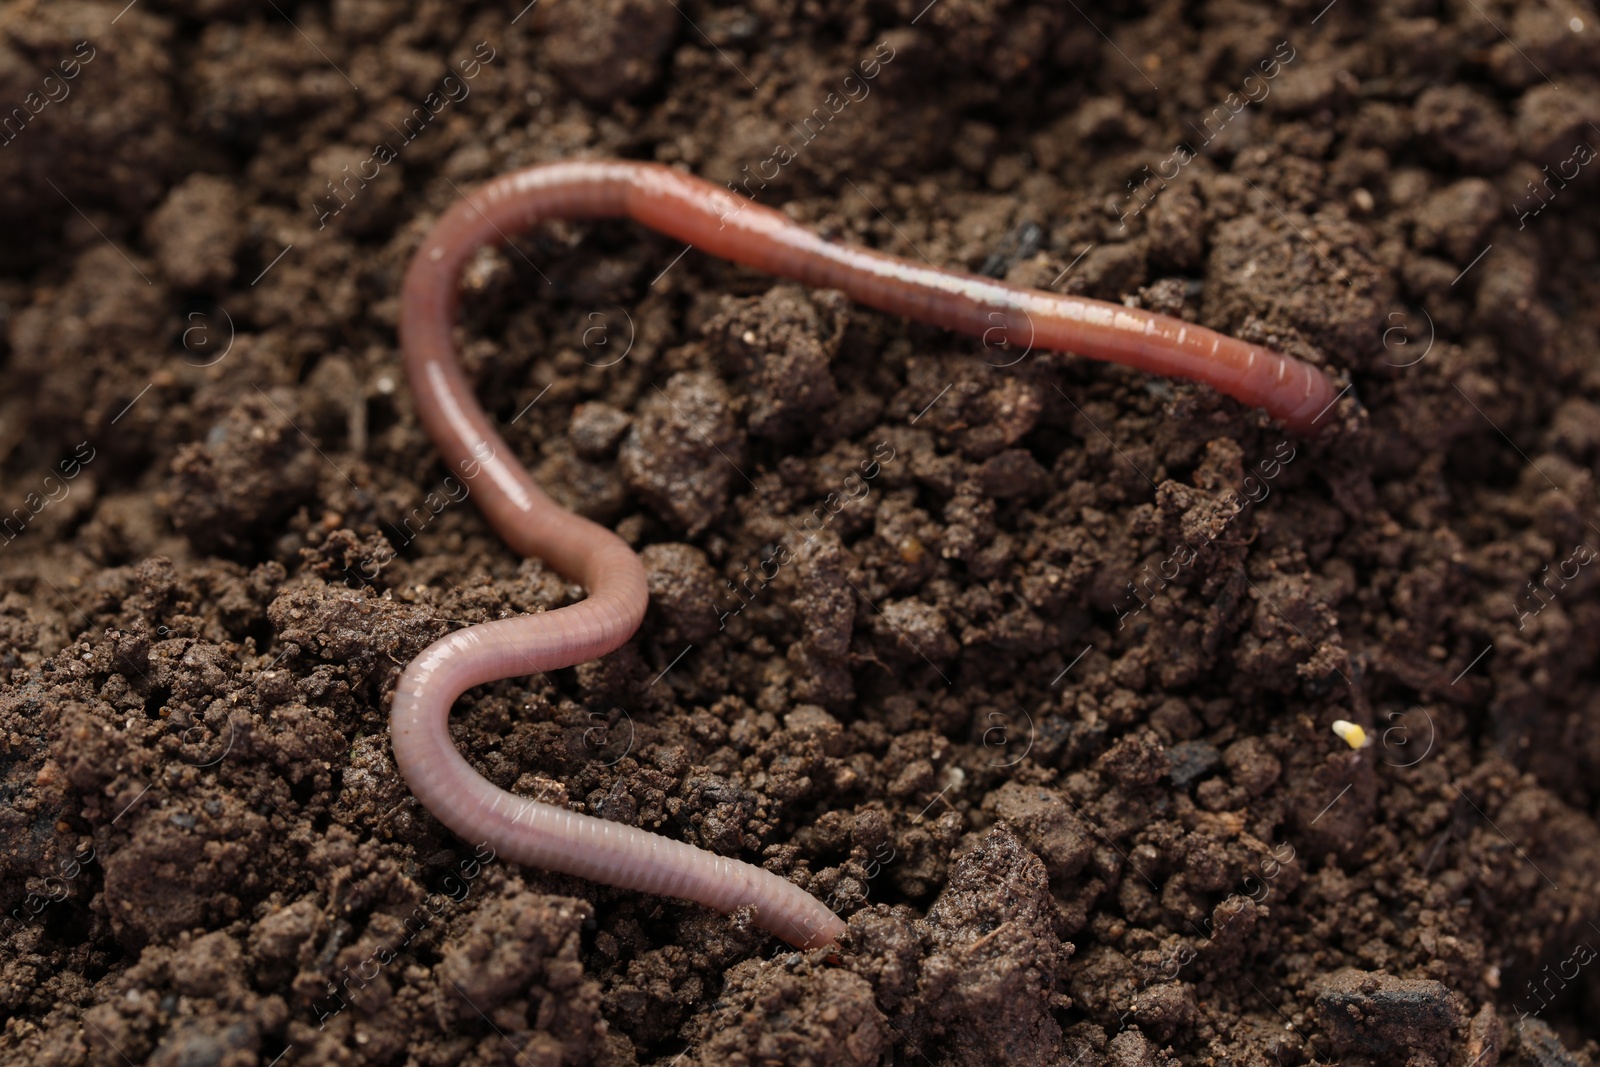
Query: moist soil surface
point(1040, 698)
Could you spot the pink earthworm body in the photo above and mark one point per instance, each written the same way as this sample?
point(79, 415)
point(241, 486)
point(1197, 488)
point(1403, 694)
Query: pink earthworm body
point(720, 222)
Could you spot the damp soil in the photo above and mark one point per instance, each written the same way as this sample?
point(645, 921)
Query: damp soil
point(1040, 698)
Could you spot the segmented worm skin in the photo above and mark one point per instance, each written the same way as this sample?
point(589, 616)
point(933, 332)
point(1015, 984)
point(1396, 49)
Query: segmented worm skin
point(724, 224)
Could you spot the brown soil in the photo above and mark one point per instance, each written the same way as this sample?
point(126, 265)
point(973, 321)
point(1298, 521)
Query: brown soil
point(1070, 820)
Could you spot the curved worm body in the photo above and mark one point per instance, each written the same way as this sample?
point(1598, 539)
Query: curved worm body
point(718, 221)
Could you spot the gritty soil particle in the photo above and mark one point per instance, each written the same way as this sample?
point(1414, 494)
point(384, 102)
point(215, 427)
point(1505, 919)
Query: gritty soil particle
point(1023, 664)
point(1378, 1017)
point(783, 1011)
point(683, 450)
point(252, 470)
point(196, 232)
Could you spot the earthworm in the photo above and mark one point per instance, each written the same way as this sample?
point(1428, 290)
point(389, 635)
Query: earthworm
point(718, 221)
